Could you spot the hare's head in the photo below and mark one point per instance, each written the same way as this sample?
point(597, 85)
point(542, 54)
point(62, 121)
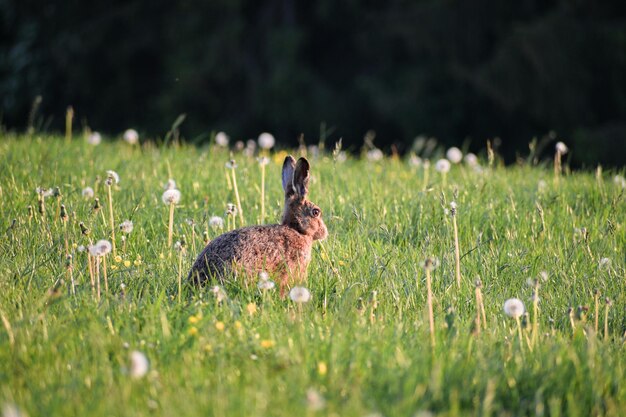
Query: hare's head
point(300, 214)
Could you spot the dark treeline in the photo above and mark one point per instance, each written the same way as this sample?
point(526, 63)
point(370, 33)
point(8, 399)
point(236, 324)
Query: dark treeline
point(462, 71)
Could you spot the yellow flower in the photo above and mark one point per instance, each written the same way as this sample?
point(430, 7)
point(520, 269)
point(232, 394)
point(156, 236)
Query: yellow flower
point(138, 256)
point(161, 256)
point(220, 326)
point(113, 267)
point(279, 157)
point(127, 263)
point(208, 348)
point(118, 259)
point(137, 262)
point(75, 245)
point(193, 331)
point(322, 369)
point(193, 319)
point(251, 308)
point(237, 324)
point(267, 343)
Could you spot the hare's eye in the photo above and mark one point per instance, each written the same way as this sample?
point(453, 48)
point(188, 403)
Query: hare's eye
point(315, 212)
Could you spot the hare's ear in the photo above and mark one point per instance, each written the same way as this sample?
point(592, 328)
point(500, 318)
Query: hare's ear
point(301, 177)
point(288, 169)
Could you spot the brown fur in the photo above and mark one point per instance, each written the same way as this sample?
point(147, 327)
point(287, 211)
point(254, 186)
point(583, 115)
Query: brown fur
point(282, 250)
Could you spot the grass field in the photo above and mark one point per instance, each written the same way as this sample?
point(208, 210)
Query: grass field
point(361, 346)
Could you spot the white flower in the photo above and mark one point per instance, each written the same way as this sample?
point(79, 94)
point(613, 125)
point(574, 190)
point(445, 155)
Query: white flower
point(94, 139)
point(265, 284)
point(231, 164)
point(170, 184)
point(619, 181)
point(231, 209)
point(131, 136)
point(266, 140)
point(171, 196)
point(514, 307)
point(100, 248)
point(263, 160)
point(299, 295)
point(44, 192)
point(454, 155)
point(112, 177)
point(139, 364)
point(542, 185)
point(561, 148)
point(264, 276)
point(415, 161)
point(222, 139)
point(471, 160)
point(126, 226)
point(605, 262)
point(88, 192)
point(216, 222)
point(81, 248)
point(178, 246)
point(374, 155)
point(219, 293)
point(544, 276)
point(442, 165)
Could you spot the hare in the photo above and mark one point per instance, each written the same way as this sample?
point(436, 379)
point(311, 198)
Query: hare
point(282, 250)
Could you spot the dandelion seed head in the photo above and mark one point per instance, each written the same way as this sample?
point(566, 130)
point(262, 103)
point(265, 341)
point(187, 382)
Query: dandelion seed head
point(170, 184)
point(131, 136)
point(299, 295)
point(100, 248)
point(454, 155)
point(216, 222)
point(620, 181)
point(415, 161)
point(126, 226)
point(315, 400)
point(139, 364)
point(94, 139)
point(231, 209)
point(514, 308)
point(222, 139)
point(231, 164)
point(442, 166)
point(265, 285)
point(605, 262)
point(266, 140)
point(171, 196)
point(471, 160)
point(263, 160)
point(375, 155)
point(112, 177)
point(88, 193)
point(431, 263)
point(561, 148)
point(218, 293)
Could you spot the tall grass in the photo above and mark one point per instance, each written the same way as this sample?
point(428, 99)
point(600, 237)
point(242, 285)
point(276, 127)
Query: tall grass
point(362, 345)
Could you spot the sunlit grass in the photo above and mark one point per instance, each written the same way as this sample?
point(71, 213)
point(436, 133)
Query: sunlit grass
point(362, 345)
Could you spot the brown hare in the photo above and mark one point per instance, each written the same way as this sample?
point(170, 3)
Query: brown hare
point(282, 250)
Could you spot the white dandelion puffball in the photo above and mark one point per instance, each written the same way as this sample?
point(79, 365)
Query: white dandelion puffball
point(605, 262)
point(561, 148)
point(454, 155)
point(170, 184)
point(263, 160)
point(216, 222)
point(264, 276)
point(266, 140)
point(375, 155)
point(222, 139)
point(471, 160)
point(415, 161)
point(171, 196)
point(88, 192)
point(139, 364)
point(126, 226)
point(100, 248)
point(442, 165)
point(315, 400)
point(299, 295)
point(131, 136)
point(94, 139)
point(232, 164)
point(113, 177)
point(620, 181)
point(514, 308)
point(219, 293)
point(266, 284)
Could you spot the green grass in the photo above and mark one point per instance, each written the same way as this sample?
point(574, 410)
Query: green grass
point(362, 343)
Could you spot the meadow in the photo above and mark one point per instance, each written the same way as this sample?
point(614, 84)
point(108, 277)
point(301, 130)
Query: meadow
point(362, 345)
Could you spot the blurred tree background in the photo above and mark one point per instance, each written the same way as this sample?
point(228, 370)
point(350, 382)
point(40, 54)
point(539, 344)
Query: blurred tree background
point(461, 71)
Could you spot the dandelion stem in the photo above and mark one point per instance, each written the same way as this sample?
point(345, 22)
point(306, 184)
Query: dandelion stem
point(519, 332)
point(180, 275)
point(606, 320)
point(170, 226)
point(98, 277)
point(595, 299)
point(535, 314)
point(91, 277)
point(111, 217)
point(457, 252)
point(106, 279)
point(431, 319)
point(237, 196)
point(478, 321)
